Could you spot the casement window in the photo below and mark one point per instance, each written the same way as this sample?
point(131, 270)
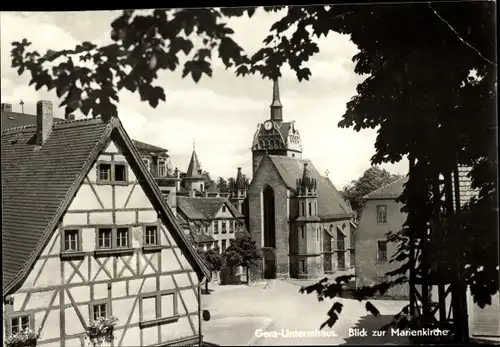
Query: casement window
point(122, 237)
point(112, 172)
point(224, 227)
point(382, 214)
point(216, 227)
point(158, 308)
point(151, 235)
point(162, 168)
point(72, 240)
point(381, 251)
point(104, 237)
point(111, 238)
point(99, 310)
point(20, 322)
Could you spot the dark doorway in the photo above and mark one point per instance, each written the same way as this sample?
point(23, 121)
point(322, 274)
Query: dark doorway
point(269, 218)
point(269, 264)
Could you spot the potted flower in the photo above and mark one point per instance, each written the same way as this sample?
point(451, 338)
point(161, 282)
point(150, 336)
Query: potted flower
point(23, 338)
point(101, 330)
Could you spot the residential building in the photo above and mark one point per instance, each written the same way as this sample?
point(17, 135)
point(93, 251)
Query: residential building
point(381, 214)
point(296, 215)
point(211, 220)
point(86, 234)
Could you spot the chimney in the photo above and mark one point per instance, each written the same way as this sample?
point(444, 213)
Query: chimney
point(178, 179)
point(6, 107)
point(44, 121)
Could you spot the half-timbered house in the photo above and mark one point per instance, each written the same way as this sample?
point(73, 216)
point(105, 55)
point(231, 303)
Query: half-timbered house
point(87, 234)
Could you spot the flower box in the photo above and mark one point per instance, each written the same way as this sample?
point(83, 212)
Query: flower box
point(101, 330)
point(23, 338)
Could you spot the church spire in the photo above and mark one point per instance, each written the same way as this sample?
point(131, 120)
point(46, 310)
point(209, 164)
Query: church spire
point(194, 169)
point(276, 106)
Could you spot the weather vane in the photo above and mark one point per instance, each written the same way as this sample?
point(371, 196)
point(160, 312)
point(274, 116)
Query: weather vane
point(327, 172)
point(22, 106)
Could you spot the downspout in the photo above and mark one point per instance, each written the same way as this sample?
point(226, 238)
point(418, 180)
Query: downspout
point(200, 336)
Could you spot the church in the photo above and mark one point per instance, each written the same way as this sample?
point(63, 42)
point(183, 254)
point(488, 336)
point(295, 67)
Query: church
point(302, 223)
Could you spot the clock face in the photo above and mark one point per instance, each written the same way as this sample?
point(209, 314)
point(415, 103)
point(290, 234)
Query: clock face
point(268, 125)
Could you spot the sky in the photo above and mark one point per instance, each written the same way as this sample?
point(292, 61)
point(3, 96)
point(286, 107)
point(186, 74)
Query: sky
point(219, 114)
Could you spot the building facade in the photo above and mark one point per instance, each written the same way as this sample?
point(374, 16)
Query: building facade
point(89, 235)
point(382, 214)
point(212, 220)
point(297, 216)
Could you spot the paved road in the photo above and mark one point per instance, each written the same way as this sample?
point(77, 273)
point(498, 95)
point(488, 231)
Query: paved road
point(291, 313)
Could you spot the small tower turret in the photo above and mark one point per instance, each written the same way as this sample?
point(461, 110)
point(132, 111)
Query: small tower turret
point(238, 191)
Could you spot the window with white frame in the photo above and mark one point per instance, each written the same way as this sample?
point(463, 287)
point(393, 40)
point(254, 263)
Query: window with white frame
point(113, 237)
point(71, 240)
point(99, 310)
point(151, 235)
point(19, 323)
point(381, 214)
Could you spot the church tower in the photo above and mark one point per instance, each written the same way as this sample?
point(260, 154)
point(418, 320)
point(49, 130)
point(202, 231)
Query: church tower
point(308, 262)
point(194, 180)
point(239, 192)
point(274, 136)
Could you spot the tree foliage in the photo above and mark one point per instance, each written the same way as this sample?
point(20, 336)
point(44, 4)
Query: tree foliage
point(371, 180)
point(419, 93)
point(213, 258)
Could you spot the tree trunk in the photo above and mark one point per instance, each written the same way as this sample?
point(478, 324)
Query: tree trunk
point(248, 274)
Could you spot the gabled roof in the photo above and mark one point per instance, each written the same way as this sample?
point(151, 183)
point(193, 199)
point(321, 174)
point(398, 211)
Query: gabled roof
point(205, 208)
point(330, 202)
point(194, 167)
point(142, 146)
point(39, 184)
point(395, 189)
point(16, 119)
point(390, 191)
point(201, 237)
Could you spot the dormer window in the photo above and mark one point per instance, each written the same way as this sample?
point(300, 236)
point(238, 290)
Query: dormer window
point(162, 168)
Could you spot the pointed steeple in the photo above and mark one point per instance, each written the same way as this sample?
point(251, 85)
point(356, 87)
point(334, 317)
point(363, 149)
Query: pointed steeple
point(276, 106)
point(307, 184)
point(194, 168)
point(239, 183)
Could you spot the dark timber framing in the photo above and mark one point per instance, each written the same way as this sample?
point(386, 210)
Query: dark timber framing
point(71, 263)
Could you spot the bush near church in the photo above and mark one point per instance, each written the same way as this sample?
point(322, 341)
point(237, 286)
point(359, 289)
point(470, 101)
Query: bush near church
point(239, 258)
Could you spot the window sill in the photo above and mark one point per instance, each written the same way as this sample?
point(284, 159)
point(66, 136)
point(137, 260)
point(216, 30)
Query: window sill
point(113, 251)
point(112, 183)
point(159, 321)
point(152, 248)
point(72, 254)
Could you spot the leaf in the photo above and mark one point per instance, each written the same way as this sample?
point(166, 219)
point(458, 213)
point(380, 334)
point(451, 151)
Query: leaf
point(372, 309)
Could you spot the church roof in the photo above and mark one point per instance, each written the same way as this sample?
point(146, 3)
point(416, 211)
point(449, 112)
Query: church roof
point(194, 167)
point(330, 202)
